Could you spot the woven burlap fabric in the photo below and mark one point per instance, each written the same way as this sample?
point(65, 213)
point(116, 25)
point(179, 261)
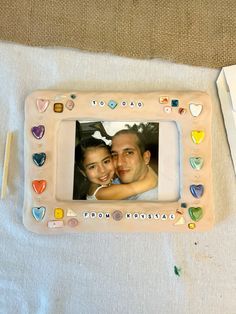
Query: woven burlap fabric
point(193, 32)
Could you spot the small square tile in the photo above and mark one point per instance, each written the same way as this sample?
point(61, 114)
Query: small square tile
point(164, 100)
point(174, 102)
point(58, 107)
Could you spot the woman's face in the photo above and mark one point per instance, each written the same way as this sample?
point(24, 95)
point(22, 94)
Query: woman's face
point(98, 165)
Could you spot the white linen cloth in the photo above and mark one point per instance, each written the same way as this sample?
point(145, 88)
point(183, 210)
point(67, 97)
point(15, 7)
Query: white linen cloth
point(103, 272)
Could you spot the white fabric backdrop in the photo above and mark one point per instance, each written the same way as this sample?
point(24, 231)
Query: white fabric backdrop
point(110, 273)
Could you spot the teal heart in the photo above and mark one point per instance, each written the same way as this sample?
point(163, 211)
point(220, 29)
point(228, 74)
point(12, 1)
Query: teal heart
point(38, 213)
point(196, 162)
point(39, 159)
point(195, 213)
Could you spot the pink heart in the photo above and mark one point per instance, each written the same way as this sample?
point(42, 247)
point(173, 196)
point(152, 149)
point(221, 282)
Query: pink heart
point(42, 104)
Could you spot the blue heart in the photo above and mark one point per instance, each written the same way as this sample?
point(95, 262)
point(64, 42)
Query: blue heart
point(38, 213)
point(197, 190)
point(39, 159)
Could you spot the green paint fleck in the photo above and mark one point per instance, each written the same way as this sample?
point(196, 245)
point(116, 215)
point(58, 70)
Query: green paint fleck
point(177, 271)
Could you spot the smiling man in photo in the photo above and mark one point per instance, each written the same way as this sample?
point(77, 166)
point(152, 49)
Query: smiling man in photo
point(131, 160)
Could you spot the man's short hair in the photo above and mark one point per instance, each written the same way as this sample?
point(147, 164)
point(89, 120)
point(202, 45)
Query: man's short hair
point(140, 139)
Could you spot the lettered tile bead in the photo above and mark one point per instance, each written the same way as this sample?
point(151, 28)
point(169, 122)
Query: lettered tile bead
point(136, 215)
point(93, 103)
point(139, 104)
point(149, 216)
point(86, 214)
point(142, 216)
point(163, 217)
point(100, 215)
point(156, 216)
point(102, 103)
point(172, 216)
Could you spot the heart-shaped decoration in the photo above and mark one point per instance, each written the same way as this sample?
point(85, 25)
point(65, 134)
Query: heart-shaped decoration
point(195, 109)
point(195, 213)
point(38, 131)
point(70, 104)
point(197, 136)
point(196, 162)
point(197, 190)
point(42, 104)
point(39, 159)
point(39, 186)
point(38, 213)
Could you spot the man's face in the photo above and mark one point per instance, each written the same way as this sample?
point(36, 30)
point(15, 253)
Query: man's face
point(129, 163)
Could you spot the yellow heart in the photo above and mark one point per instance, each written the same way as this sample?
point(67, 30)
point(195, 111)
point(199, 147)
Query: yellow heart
point(197, 136)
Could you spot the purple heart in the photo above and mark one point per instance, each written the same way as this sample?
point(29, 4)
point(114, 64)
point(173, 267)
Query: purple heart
point(38, 131)
point(197, 190)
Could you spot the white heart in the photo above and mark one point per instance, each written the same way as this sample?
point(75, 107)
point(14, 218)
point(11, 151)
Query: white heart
point(42, 104)
point(195, 109)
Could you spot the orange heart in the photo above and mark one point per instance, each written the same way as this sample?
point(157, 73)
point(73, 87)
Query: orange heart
point(39, 186)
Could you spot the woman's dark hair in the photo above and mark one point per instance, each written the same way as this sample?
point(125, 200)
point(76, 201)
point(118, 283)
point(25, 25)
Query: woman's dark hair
point(81, 183)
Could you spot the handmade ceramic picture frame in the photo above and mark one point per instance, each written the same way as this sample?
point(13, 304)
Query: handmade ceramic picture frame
point(51, 118)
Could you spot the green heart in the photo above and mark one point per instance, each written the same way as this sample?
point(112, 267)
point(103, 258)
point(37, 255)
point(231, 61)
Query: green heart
point(196, 162)
point(195, 213)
